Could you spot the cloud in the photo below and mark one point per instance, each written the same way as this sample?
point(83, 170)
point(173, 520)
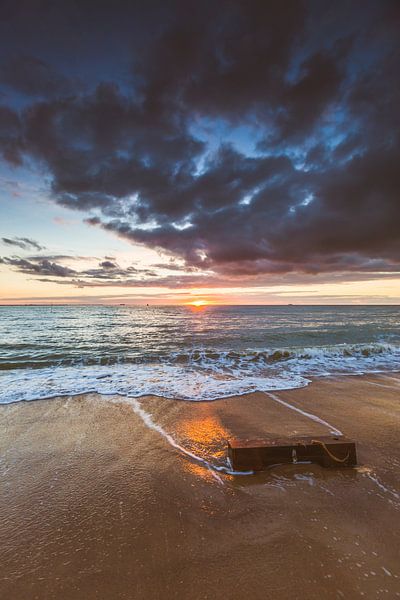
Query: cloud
point(107, 264)
point(38, 267)
point(107, 273)
point(34, 77)
point(23, 243)
point(64, 222)
point(11, 136)
point(297, 173)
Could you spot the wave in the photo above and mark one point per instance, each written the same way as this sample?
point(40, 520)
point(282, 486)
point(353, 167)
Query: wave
point(199, 374)
point(207, 358)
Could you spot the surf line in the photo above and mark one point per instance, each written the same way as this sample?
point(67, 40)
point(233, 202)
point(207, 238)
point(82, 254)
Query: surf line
point(311, 416)
point(151, 424)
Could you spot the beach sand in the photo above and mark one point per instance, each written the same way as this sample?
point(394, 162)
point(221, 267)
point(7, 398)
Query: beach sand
point(96, 503)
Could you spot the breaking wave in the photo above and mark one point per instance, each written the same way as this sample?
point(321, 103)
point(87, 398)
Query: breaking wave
point(200, 374)
point(213, 359)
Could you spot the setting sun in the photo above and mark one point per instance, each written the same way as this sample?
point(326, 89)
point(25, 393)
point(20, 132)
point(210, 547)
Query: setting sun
point(198, 303)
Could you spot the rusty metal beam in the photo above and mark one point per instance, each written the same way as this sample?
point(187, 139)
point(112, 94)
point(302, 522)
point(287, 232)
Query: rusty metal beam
point(260, 454)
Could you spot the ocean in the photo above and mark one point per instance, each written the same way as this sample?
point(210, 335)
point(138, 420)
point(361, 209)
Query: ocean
point(186, 353)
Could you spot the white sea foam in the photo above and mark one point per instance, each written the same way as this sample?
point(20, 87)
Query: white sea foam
point(171, 381)
point(199, 374)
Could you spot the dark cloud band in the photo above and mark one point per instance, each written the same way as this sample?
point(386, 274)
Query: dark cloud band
point(244, 138)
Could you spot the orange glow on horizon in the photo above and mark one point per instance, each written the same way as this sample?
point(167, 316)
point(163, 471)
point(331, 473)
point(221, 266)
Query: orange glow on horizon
point(198, 303)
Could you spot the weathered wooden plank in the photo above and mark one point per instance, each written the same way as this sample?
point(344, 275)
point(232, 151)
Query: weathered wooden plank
point(259, 454)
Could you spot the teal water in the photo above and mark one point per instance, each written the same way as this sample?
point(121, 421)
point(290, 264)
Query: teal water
point(189, 354)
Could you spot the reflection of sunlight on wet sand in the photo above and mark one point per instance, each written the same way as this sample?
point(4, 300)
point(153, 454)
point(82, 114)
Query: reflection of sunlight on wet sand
point(199, 471)
point(207, 474)
point(205, 434)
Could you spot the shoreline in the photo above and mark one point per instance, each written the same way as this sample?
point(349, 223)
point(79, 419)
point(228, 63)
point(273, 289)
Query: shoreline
point(309, 381)
point(96, 503)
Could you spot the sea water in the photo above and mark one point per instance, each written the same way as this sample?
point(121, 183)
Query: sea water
point(187, 353)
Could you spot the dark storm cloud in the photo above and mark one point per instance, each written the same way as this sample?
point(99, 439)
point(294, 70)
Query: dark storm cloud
point(11, 136)
point(34, 77)
point(298, 169)
point(23, 243)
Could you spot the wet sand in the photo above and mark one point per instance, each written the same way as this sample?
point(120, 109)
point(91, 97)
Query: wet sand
point(96, 503)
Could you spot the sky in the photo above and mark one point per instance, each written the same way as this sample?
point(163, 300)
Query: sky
point(238, 152)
